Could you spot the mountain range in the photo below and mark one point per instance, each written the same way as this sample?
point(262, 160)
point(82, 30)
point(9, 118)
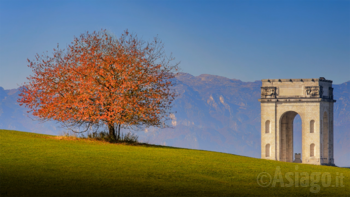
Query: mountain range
point(211, 113)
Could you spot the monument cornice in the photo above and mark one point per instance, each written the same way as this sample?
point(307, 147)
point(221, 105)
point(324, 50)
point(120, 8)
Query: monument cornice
point(322, 79)
point(270, 100)
point(297, 90)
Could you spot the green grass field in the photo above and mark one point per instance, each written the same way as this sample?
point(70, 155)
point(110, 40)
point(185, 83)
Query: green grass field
point(42, 165)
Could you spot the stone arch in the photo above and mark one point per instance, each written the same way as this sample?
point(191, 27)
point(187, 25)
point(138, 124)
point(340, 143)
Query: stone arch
point(267, 150)
point(281, 100)
point(267, 126)
point(312, 126)
point(312, 150)
point(286, 135)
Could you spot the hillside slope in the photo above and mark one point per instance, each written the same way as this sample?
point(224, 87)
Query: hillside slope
point(42, 165)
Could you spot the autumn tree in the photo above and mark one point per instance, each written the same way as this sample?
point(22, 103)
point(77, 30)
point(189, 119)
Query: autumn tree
point(100, 80)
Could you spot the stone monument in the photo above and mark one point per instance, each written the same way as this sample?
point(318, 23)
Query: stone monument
point(281, 100)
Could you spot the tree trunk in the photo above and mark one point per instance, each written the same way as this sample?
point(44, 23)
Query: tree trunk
point(112, 131)
point(118, 127)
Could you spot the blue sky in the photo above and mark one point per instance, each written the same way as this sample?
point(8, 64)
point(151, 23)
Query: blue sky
point(246, 40)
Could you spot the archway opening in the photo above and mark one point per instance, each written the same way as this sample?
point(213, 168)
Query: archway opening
point(297, 138)
point(287, 136)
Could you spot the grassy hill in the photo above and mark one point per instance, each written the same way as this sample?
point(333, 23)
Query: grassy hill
point(42, 165)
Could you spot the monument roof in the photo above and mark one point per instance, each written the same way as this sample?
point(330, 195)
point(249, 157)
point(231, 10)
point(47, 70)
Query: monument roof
point(298, 80)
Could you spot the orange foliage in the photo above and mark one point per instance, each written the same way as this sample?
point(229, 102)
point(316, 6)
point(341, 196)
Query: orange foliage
point(100, 79)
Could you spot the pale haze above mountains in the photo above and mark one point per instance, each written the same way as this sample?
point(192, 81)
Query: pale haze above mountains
point(212, 113)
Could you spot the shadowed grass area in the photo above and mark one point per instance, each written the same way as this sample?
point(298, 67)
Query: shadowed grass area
point(41, 165)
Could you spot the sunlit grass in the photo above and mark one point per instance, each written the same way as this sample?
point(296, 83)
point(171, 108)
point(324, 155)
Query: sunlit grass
point(42, 165)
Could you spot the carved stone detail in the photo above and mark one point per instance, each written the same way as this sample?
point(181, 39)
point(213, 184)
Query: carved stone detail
point(314, 91)
point(268, 92)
